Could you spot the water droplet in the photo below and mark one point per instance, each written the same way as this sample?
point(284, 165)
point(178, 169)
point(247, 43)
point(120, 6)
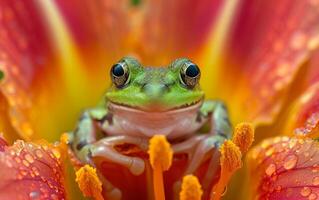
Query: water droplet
point(23, 172)
point(29, 158)
point(17, 159)
point(56, 153)
point(278, 188)
point(25, 163)
point(290, 162)
point(315, 181)
point(292, 143)
point(54, 197)
point(35, 171)
point(38, 153)
point(270, 169)
point(306, 191)
point(34, 195)
point(313, 196)
point(270, 151)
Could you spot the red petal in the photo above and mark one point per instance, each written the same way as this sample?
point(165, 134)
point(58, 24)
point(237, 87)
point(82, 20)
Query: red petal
point(31, 171)
point(285, 168)
point(23, 49)
point(154, 31)
point(269, 43)
point(35, 82)
point(303, 117)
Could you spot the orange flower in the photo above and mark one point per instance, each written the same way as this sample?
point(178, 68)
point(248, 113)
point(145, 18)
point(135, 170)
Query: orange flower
point(260, 57)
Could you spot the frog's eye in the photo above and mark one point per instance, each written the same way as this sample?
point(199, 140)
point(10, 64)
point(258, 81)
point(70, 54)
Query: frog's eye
point(190, 74)
point(119, 74)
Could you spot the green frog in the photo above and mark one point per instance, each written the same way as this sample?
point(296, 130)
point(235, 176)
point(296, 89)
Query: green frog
point(144, 101)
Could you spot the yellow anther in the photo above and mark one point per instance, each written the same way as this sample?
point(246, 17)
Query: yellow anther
point(161, 156)
point(89, 183)
point(160, 152)
point(191, 188)
point(230, 161)
point(243, 136)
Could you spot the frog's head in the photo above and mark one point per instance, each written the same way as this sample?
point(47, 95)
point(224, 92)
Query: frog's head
point(155, 89)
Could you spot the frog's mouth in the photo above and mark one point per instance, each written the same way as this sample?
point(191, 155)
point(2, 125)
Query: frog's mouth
point(154, 107)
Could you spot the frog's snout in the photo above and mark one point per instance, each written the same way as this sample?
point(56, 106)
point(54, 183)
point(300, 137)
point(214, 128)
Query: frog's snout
point(155, 91)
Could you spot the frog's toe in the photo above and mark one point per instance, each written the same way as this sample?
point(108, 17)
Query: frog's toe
point(134, 164)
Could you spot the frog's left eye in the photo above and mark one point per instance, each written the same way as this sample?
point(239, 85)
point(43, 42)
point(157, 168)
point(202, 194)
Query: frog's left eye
point(190, 74)
point(119, 74)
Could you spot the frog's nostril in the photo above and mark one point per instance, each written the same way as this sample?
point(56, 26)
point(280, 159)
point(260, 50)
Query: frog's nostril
point(155, 90)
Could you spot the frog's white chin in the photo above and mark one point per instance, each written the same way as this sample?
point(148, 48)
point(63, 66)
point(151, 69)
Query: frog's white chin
point(172, 123)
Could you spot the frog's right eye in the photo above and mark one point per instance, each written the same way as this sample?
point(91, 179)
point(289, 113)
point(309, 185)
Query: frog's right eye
point(119, 74)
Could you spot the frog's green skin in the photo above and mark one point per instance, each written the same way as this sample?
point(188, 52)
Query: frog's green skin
point(137, 110)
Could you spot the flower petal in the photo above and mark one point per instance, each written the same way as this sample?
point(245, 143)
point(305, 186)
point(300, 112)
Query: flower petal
point(31, 171)
point(43, 84)
point(303, 116)
point(20, 52)
point(285, 168)
point(269, 43)
point(154, 31)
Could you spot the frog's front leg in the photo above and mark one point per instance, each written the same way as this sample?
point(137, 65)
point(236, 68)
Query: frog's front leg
point(105, 148)
point(84, 144)
point(215, 113)
point(84, 135)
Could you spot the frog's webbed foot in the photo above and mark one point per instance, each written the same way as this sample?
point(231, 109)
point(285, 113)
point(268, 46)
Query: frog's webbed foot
point(105, 148)
point(197, 148)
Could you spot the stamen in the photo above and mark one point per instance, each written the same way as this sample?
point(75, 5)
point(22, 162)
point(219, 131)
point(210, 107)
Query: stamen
point(243, 136)
point(161, 156)
point(89, 183)
point(191, 188)
point(230, 161)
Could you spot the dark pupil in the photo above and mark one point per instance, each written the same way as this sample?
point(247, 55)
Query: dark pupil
point(117, 70)
point(192, 71)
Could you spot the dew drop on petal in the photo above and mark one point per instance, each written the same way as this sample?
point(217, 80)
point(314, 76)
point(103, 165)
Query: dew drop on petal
point(25, 163)
point(270, 169)
point(270, 151)
point(292, 143)
point(290, 162)
point(38, 153)
point(306, 191)
point(312, 196)
point(17, 159)
point(34, 195)
point(278, 188)
point(54, 197)
point(56, 153)
point(29, 158)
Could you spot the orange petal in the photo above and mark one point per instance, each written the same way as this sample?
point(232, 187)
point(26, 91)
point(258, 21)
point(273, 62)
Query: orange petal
point(285, 168)
point(269, 42)
point(303, 116)
point(30, 171)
